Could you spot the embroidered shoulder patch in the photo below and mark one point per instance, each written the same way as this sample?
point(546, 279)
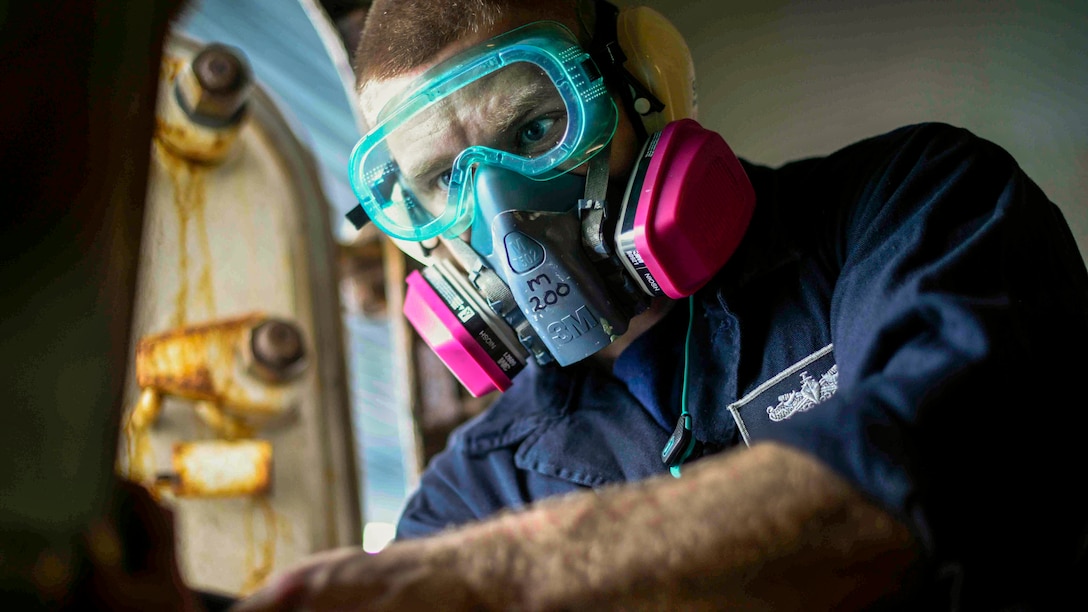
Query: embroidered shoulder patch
point(812, 392)
point(798, 388)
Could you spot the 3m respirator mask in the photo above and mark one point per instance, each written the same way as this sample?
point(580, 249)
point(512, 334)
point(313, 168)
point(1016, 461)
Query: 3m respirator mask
point(494, 164)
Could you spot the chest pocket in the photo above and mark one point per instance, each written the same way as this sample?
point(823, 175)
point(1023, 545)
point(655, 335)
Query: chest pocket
point(800, 387)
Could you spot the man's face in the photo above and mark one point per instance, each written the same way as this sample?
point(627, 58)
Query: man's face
point(516, 109)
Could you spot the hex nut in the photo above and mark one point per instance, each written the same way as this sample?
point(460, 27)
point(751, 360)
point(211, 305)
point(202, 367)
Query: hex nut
point(278, 350)
point(213, 88)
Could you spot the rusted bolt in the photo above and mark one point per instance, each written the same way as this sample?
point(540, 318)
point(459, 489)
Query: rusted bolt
point(278, 350)
point(214, 87)
point(218, 70)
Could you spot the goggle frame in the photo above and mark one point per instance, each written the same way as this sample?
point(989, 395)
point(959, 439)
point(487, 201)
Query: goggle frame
point(592, 118)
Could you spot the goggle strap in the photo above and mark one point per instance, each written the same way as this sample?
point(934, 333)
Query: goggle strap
point(358, 217)
point(597, 175)
point(592, 208)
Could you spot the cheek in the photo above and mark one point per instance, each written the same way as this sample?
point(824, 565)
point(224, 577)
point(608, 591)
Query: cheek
point(624, 150)
point(622, 155)
point(621, 161)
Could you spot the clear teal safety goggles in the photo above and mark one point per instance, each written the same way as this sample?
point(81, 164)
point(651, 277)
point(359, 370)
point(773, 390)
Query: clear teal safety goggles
point(531, 101)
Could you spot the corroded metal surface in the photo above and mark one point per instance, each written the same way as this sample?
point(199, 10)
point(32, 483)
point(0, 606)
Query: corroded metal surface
point(221, 468)
point(204, 362)
point(181, 129)
point(235, 239)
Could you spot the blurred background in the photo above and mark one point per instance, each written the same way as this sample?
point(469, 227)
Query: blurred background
point(782, 80)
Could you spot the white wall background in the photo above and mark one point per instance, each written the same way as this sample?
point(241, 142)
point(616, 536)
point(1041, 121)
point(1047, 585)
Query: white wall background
point(783, 79)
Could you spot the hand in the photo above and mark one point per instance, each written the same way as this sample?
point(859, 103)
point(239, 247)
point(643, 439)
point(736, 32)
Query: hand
point(414, 575)
point(132, 558)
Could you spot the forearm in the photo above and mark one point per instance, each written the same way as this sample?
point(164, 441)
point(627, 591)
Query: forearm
point(763, 528)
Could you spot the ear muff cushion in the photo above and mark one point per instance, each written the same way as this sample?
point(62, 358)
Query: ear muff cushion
point(659, 58)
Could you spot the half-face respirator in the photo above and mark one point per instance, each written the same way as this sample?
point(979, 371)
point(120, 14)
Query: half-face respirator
point(496, 162)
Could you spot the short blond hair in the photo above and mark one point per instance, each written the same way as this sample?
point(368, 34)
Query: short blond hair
point(401, 35)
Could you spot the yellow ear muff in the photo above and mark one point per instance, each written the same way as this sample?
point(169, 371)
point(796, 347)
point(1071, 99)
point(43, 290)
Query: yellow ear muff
point(659, 58)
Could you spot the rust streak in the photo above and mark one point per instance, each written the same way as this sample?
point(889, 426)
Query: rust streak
point(259, 563)
point(245, 320)
point(140, 460)
point(222, 424)
point(204, 283)
point(188, 184)
point(170, 68)
point(197, 146)
point(141, 464)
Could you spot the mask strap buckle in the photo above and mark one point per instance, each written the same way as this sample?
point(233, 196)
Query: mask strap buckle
point(593, 208)
point(485, 279)
point(496, 293)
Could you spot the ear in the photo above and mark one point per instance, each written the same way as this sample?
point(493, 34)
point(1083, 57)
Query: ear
point(658, 57)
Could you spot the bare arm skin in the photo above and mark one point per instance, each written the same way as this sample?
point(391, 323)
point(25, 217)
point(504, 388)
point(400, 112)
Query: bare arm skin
point(767, 528)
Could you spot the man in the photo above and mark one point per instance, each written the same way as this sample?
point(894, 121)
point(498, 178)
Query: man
point(864, 402)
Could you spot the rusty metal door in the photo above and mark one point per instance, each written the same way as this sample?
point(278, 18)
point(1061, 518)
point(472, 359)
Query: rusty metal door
point(237, 408)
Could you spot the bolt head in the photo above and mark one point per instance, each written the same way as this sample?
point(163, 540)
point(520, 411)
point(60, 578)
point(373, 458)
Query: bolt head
point(218, 70)
point(278, 349)
point(215, 85)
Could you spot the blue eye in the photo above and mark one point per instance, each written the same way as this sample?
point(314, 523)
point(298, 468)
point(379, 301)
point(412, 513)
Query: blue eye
point(533, 137)
point(444, 179)
point(535, 130)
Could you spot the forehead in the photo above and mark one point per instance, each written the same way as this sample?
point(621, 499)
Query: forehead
point(485, 112)
point(375, 93)
point(513, 82)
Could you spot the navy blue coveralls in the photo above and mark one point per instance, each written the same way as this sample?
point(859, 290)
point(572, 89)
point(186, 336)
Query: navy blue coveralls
point(911, 310)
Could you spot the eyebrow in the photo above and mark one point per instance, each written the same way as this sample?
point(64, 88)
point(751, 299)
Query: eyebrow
point(513, 111)
point(517, 106)
point(424, 170)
